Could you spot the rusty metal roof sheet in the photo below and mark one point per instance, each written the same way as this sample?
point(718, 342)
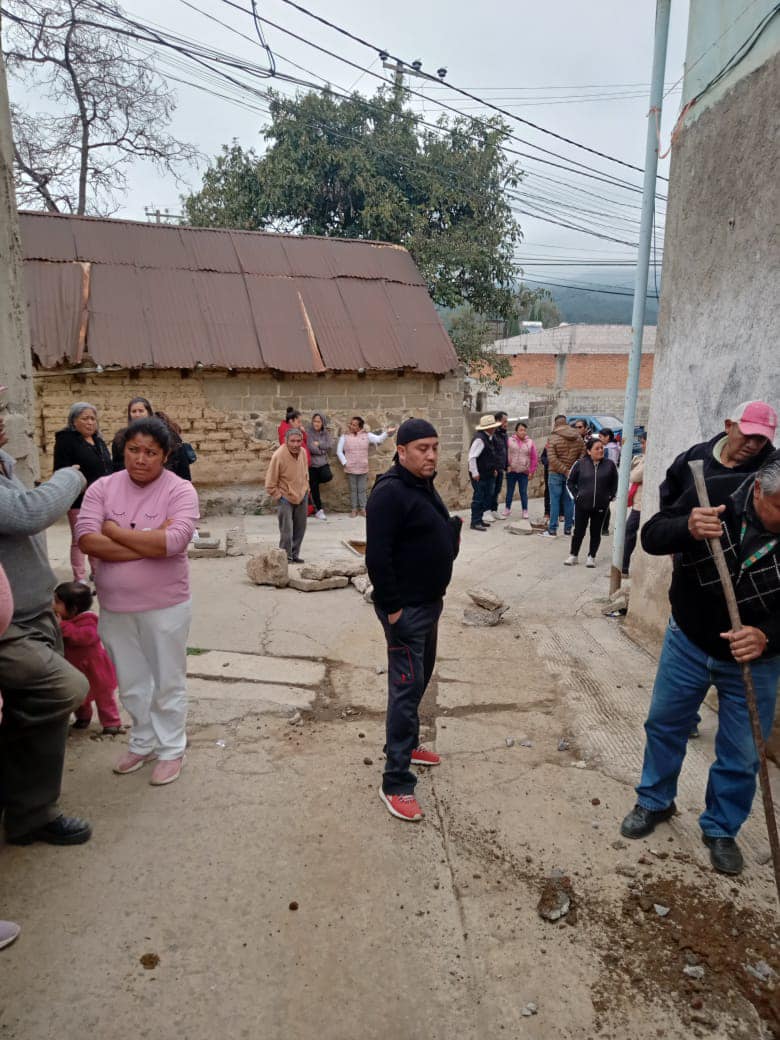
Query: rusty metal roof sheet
point(135, 295)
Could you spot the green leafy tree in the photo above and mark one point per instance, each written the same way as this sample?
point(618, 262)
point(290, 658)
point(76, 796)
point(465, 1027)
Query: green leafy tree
point(367, 168)
point(472, 336)
point(534, 305)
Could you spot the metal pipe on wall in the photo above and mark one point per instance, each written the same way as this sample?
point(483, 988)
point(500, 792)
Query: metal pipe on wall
point(662, 14)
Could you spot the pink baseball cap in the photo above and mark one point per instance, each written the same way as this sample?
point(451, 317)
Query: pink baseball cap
point(755, 419)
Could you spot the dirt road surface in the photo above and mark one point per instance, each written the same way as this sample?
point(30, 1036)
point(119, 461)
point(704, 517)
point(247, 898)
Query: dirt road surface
point(268, 894)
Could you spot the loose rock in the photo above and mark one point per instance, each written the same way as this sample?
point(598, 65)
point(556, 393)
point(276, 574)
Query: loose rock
point(556, 899)
point(269, 568)
point(480, 617)
point(563, 745)
point(694, 971)
point(485, 598)
point(236, 543)
point(348, 568)
point(519, 527)
point(318, 584)
point(361, 582)
point(662, 911)
point(510, 741)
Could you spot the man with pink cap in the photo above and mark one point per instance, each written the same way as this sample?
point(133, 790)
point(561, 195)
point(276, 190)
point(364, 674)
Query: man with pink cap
point(729, 456)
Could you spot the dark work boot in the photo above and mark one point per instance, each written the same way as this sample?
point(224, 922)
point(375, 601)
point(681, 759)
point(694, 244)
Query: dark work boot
point(641, 822)
point(724, 854)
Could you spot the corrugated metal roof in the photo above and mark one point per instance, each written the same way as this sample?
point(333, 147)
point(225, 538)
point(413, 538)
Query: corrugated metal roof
point(173, 297)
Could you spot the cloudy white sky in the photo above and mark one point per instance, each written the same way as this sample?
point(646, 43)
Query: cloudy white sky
point(580, 69)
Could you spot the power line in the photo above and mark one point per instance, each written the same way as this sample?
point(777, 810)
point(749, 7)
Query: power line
point(460, 90)
point(583, 288)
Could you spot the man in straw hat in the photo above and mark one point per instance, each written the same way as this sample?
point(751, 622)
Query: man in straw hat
point(411, 544)
point(484, 464)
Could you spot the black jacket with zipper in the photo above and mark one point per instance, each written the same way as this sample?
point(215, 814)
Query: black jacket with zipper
point(698, 603)
point(592, 485)
point(411, 540)
point(71, 449)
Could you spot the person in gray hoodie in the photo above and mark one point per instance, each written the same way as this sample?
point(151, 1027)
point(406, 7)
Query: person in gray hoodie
point(40, 689)
point(320, 444)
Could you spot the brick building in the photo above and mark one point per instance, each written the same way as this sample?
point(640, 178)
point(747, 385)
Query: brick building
point(583, 366)
point(223, 330)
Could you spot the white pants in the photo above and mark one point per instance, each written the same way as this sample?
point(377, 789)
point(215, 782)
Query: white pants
point(149, 651)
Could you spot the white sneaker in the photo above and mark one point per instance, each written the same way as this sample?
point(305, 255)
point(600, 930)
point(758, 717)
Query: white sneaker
point(320, 514)
point(590, 562)
point(505, 513)
point(495, 515)
point(571, 561)
point(548, 534)
point(487, 518)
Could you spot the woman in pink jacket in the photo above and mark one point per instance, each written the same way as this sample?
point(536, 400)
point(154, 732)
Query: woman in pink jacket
point(138, 523)
point(522, 461)
point(9, 930)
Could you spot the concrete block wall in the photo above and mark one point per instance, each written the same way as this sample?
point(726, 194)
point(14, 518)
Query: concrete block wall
point(231, 420)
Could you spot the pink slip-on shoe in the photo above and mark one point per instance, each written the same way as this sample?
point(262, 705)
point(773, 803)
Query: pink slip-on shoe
point(130, 762)
point(421, 756)
point(9, 931)
point(166, 771)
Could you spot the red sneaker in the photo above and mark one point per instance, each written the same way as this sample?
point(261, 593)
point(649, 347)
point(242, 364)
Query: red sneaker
point(404, 806)
point(421, 756)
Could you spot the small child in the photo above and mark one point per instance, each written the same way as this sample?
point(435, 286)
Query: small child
point(84, 650)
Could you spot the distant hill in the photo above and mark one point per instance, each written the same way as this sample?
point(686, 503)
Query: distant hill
point(596, 308)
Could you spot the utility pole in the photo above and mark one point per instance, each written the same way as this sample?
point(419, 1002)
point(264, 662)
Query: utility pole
point(15, 353)
point(662, 12)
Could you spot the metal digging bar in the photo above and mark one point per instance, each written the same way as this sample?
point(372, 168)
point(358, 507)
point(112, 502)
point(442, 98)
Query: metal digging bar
point(697, 468)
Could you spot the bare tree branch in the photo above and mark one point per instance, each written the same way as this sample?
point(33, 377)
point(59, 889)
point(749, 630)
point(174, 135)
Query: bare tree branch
point(102, 108)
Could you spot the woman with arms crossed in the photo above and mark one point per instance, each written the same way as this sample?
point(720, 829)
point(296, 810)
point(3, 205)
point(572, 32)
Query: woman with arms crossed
point(138, 523)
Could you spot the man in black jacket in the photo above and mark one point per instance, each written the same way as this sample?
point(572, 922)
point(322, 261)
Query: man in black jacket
point(743, 448)
point(700, 649)
point(411, 544)
point(502, 455)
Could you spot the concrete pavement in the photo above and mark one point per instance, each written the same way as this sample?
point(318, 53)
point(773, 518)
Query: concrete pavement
point(401, 931)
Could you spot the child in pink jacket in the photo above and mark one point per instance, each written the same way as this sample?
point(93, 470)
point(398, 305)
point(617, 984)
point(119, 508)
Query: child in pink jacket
point(85, 651)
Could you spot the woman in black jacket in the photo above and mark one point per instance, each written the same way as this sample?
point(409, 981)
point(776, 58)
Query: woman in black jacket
point(80, 444)
point(592, 483)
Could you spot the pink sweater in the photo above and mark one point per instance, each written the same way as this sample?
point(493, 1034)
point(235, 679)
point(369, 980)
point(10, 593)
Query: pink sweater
point(148, 584)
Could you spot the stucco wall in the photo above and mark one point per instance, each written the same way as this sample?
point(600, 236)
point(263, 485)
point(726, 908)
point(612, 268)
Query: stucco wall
point(231, 420)
point(718, 324)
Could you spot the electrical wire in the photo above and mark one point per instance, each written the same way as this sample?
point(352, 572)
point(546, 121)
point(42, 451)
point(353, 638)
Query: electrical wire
point(460, 90)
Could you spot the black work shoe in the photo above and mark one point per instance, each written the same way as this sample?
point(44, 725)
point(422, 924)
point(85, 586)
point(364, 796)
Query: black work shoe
point(641, 821)
point(65, 830)
point(724, 854)
point(479, 527)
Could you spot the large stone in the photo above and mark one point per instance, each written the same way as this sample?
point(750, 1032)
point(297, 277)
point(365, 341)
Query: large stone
point(519, 527)
point(485, 598)
point(368, 595)
point(206, 543)
point(338, 581)
point(478, 617)
point(269, 568)
point(235, 542)
point(333, 568)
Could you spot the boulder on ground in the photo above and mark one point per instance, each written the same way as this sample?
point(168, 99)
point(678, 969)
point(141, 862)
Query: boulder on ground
point(269, 568)
point(361, 582)
point(332, 568)
point(478, 617)
point(485, 598)
point(235, 542)
point(519, 527)
point(368, 595)
point(338, 581)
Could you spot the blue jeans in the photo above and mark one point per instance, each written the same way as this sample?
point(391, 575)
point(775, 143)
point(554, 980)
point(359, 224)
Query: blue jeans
point(519, 481)
point(560, 502)
point(483, 495)
point(684, 675)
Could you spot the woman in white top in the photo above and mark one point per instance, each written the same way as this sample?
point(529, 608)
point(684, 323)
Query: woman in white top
point(352, 452)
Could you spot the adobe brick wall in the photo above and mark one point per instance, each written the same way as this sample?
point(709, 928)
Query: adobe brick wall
point(231, 421)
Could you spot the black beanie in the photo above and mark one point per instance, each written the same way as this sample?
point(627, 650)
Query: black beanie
point(414, 430)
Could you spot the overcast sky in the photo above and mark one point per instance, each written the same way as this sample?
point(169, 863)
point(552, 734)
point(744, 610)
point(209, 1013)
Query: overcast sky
point(541, 60)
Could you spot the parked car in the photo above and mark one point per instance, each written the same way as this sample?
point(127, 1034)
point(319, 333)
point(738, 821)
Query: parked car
point(597, 423)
